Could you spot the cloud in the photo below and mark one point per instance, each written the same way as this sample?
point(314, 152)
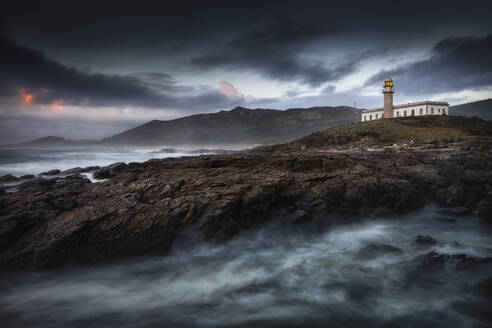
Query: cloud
point(276, 51)
point(43, 81)
point(230, 91)
point(454, 64)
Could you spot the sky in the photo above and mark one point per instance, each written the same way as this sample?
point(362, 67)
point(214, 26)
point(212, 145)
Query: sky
point(90, 69)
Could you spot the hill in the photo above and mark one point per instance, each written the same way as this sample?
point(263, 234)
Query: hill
point(240, 126)
point(430, 129)
point(52, 141)
point(482, 109)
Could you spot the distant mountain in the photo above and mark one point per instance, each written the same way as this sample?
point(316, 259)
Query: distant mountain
point(482, 109)
point(240, 126)
point(51, 141)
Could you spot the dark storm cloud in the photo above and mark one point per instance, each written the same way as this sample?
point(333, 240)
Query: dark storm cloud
point(22, 68)
point(455, 64)
point(275, 51)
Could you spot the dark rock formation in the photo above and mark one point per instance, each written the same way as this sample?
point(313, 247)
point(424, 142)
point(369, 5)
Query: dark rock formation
point(109, 171)
point(426, 241)
point(9, 178)
point(143, 206)
point(50, 172)
point(27, 177)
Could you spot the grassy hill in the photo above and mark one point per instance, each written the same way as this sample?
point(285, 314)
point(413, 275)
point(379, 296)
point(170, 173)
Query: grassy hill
point(410, 129)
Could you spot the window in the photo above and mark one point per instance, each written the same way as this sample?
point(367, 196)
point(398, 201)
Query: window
point(413, 112)
point(370, 117)
point(404, 113)
point(421, 111)
point(438, 110)
point(444, 111)
point(376, 116)
point(432, 111)
point(397, 114)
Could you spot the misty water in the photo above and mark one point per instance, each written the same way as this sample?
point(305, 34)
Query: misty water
point(34, 161)
point(281, 275)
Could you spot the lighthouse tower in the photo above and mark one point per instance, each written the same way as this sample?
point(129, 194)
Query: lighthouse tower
point(388, 98)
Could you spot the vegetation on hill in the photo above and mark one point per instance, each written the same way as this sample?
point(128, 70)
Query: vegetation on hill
point(408, 129)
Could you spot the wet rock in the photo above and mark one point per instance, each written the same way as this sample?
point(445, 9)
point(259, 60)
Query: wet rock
point(484, 288)
point(73, 170)
point(471, 177)
point(109, 171)
point(434, 262)
point(9, 178)
point(91, 168)
point(36, 184)
point(144, 206)
point(372, 251)
point(426, 241)
point(457, 211)
point(51, 172)
point(27, 177)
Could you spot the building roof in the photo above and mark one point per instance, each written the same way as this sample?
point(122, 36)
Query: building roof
point(420, 103)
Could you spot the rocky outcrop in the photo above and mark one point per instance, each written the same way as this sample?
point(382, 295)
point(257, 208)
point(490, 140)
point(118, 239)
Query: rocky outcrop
point(144, 207)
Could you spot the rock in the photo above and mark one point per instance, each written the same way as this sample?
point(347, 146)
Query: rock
point(471, 177)
point(460, 210)
point(484, 288)
point(372, 251)
point(109, 171)
point(435, 262)
point(91, 168)
point(50, 172)
point(426, 241)
point(73, 170)
point(145, 206)
point(9, 178)
point(27, 177)
point(36, 184)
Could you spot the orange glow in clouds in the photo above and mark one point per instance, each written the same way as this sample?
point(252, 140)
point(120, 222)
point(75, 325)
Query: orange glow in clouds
point(57, 104)
point(26, 97)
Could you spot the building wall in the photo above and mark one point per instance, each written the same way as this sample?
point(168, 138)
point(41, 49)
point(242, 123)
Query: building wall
point(420, 110)
point(372, 116)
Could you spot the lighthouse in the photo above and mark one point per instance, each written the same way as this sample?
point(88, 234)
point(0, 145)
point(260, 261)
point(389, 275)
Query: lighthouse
point(388, 98)
point(389, 110)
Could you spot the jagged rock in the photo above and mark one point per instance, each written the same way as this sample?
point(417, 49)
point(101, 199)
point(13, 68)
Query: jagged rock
point(91, 168)
point(50, 172)
point(427, 241)
point(27, 177)
point(73, 170)
point(435, 262)
point(144, 206)
point(109, 171)
point(9, 178)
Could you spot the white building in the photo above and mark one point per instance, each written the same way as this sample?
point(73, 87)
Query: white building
point(411, 109)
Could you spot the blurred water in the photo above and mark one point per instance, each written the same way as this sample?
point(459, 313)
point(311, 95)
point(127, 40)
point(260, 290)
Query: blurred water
point(278, 276)
point(34, 161)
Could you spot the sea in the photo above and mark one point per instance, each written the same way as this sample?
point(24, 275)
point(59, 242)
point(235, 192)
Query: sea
point(276, 276)
point(23, 161)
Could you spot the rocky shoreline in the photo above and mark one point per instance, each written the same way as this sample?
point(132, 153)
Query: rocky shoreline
point(143, 207)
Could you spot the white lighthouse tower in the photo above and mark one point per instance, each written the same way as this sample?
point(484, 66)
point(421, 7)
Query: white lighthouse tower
point(388, 98)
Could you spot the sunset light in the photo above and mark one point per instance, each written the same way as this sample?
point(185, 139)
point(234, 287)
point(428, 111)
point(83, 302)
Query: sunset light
point(26, 97)
point(57, 104)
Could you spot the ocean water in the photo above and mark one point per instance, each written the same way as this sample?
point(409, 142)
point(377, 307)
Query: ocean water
point(276, 276)
point(34, 161)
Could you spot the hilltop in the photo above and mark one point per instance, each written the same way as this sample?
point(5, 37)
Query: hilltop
point(239, 126)
point(409, 129)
